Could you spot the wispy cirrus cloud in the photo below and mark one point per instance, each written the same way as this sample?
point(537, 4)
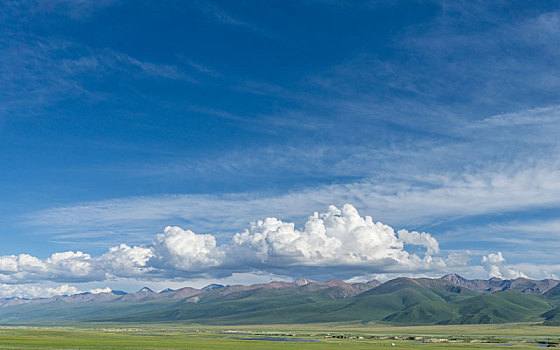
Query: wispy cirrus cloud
point(75, 9)
point(419, 201)
point(220, 15)
point(46, 71)
point(542, 226)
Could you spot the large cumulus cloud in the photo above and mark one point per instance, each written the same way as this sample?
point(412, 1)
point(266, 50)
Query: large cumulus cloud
point(495, 265)
point(66, 266)
point(178, 249)
point(26, 291)
point(336, 239)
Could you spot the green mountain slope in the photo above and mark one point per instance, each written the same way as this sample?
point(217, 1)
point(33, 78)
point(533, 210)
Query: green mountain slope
point(286, 305)
point(552, 317)
point(425, 312)
point(553, 294)
point(389, 298)
point(500, 307)
point(399, 301)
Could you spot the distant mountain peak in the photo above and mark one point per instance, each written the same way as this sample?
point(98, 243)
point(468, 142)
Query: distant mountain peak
point(495, 279)
point(167, 290)
point(118, 292)
point(212, 287)
point(145, 290)
point(302, 281)
point(455, 278)
point(336, 283)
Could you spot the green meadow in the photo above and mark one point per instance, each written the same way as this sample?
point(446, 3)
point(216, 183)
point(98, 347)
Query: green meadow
point(308, 336)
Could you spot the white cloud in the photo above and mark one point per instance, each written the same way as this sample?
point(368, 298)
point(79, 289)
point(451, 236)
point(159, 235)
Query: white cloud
point(70, 264)
point(100, 290)
point(418, 199)
point(338, 238)
point(65, 266)
point(538, 116)
point(541, 270)
point(495, 265)
point(23, 263)
point(185, 250)
point(338, 241)
point(126, 261)
point(420, 239)
point(543, 227)
point(35, 291)
point(117, 60)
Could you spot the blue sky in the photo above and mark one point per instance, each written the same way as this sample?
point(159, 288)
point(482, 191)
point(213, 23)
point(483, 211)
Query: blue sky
point(119, 118)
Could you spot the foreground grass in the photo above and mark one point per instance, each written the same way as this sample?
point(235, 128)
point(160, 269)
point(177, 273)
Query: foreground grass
point(173, 336)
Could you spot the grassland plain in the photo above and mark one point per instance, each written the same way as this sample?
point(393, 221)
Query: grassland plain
point(308, 336)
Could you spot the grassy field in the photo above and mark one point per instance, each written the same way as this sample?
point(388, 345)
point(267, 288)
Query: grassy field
point(314, 336)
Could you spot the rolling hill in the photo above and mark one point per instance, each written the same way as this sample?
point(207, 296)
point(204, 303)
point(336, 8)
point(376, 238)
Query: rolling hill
point(451, 299)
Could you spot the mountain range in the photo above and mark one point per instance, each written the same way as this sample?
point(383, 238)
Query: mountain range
point(450, 299)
